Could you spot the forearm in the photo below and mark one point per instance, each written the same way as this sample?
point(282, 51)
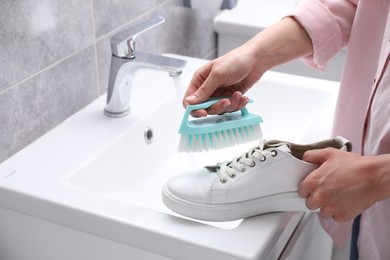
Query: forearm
point(379, 168)
point(280, 43)
point(235, 72)
point(328, 23)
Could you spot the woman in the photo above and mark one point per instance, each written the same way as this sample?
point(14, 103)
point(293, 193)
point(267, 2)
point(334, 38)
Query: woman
point(346, 185)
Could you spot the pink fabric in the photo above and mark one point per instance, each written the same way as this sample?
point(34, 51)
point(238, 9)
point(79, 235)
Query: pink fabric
point(335, 28)
point(363, 108)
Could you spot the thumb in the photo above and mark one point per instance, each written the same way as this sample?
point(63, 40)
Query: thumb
point(204, 92)
point(212, 82)
point(318, 156)
point(199, 96)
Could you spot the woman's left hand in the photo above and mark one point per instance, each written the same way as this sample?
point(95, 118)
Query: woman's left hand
point(345, 184)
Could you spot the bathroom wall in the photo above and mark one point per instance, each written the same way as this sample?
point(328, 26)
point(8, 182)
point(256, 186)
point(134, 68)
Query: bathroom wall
point(55, 55)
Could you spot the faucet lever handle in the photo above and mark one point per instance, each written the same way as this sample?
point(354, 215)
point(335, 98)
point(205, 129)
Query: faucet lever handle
point(123, 43)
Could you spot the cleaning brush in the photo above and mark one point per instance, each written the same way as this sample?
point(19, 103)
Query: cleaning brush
point(217, 131)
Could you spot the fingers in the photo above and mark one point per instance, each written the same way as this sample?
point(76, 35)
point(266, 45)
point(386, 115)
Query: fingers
point(303, 190)
point(215, 79)
point(308, 185)
point(332, 186)
point(305, 193)
point(219, 106)
point(315, 156)
point(310, 204)
point(201, 88)
point(199, 113)
point(319, 156)
point(315, 197)
point(236, 102)
point(326, 213)
point(307, 189)
point(203, 84)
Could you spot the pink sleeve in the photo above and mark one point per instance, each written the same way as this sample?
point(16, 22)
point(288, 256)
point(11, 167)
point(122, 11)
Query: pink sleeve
point(328, 23)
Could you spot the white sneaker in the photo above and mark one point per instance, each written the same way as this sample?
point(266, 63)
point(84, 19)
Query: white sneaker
point(265, 179)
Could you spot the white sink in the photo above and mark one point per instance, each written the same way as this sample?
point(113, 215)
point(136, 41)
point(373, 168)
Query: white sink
point(103, 176)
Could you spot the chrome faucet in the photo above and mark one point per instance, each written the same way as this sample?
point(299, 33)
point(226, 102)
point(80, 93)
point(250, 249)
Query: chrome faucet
point(125, 61)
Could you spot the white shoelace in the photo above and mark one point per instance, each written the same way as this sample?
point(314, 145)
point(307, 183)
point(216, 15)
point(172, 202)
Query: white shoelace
point(227, 169)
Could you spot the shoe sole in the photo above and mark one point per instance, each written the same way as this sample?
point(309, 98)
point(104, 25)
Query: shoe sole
point(286, 201)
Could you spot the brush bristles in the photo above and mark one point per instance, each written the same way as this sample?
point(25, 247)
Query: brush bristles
point(219, 140)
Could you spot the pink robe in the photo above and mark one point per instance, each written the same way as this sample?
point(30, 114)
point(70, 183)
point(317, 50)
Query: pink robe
point(363, 108)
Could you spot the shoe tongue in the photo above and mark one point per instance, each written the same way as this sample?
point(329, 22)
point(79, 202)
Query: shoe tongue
point(285, 147)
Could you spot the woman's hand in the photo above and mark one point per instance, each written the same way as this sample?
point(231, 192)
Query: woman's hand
point(234, 73)
point(345, 184)
point(230, 75)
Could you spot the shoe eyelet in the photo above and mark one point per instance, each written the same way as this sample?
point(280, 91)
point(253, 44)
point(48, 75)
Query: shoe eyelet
point(243, 169)
point(253, 164)
point(233, 175)
point(223, 181)
point(274, 153)
point(263, 159)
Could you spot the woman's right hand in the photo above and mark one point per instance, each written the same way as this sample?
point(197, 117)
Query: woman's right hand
point(230, 75)
point(234, 73)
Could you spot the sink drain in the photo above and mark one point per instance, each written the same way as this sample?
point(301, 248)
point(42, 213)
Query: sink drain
point(148, 135)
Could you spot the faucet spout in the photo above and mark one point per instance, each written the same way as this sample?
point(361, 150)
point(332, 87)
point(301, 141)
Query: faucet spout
point(121, 77)
point(125, 61)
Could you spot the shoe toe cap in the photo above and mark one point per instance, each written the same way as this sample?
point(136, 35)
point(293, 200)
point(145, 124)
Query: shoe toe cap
point(192, 186)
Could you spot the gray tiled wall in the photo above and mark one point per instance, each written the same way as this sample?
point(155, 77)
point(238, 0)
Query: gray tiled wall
point(55, 56)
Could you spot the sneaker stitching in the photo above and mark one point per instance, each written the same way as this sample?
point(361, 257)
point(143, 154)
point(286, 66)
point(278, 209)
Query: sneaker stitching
point(213, 189)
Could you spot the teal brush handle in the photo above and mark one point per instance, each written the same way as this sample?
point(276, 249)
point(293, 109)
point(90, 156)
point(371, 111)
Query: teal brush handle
point(208, 103)
point(187, 127)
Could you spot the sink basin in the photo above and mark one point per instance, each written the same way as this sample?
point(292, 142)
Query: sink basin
point(134, 169)
point(103, 176)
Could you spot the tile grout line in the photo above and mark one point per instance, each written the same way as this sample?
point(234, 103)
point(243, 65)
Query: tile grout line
point(46, 68)
point(98, 87)
point(132, 20)
point(82, 49)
